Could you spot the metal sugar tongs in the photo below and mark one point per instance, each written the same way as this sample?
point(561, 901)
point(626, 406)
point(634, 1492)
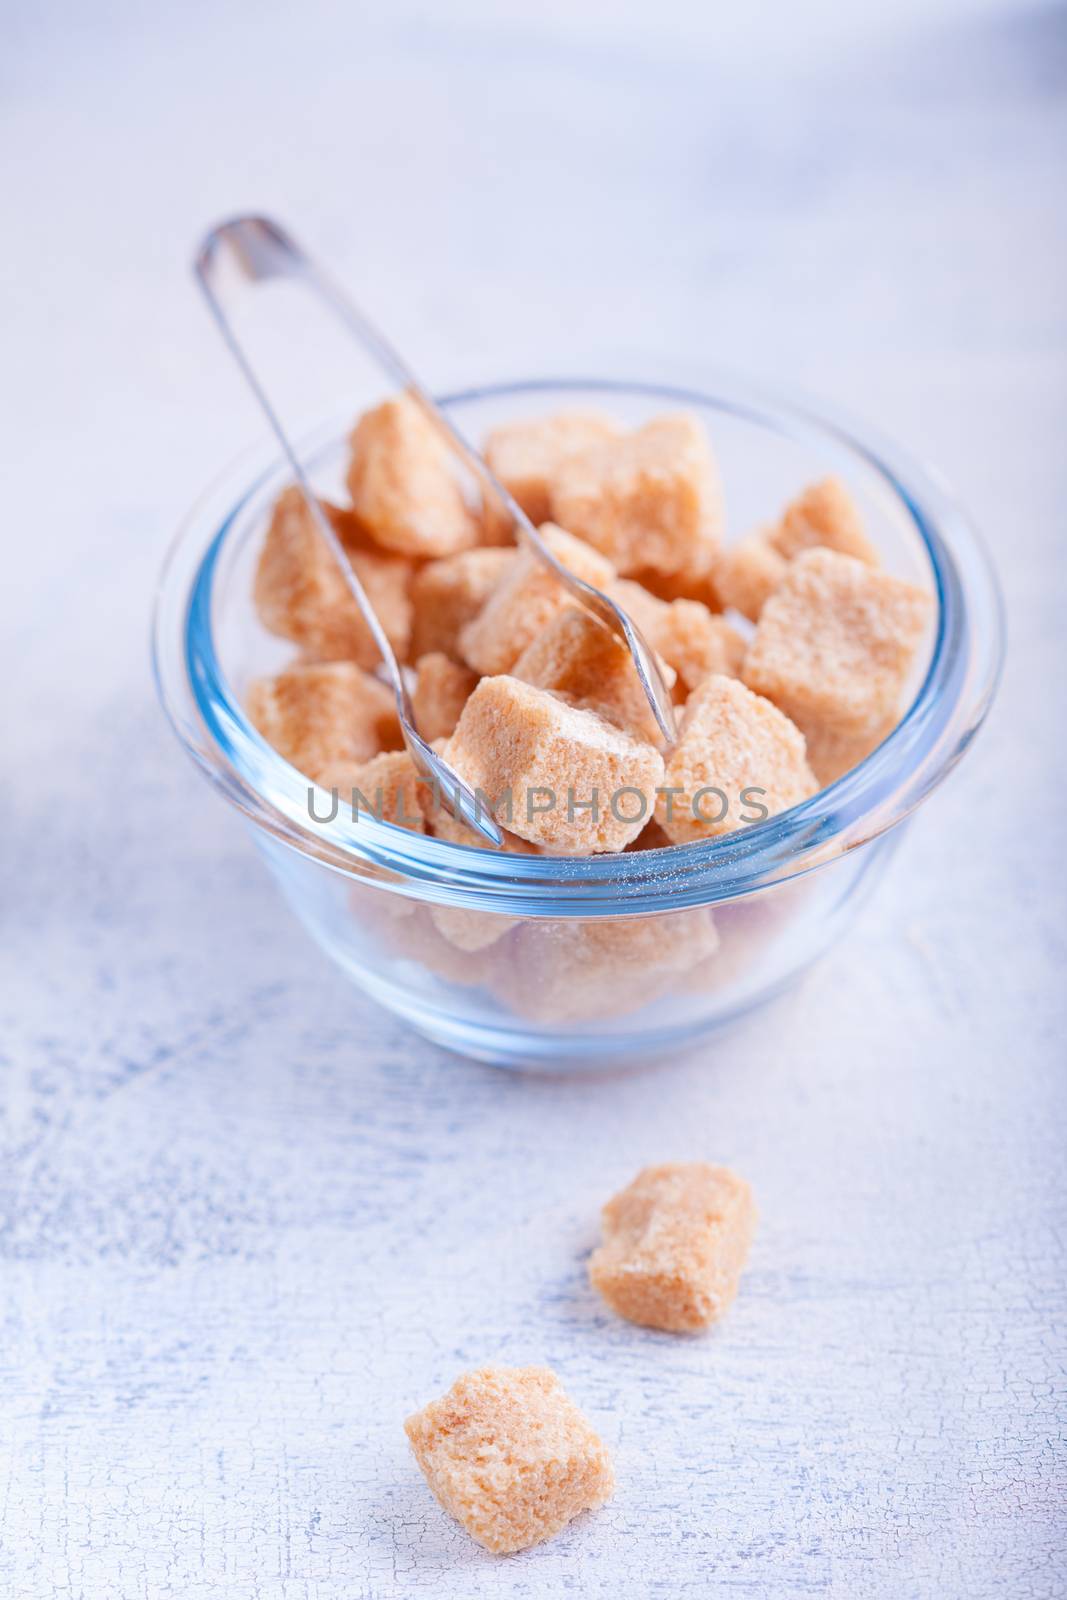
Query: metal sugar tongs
point(260, 250)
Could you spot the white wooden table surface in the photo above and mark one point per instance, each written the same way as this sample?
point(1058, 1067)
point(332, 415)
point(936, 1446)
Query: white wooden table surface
point(247, 1222)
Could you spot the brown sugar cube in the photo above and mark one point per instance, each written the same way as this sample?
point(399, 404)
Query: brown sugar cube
point(751, 932)
point(826, 516)
point(577, 658)
point(696, 642)
point(387, 582)
point(316, 715)
point(442, 689)
point(443, 825)
point(696, 581)
point(525, 600)
point(387, 787)
point(675, 1241)
point(463, 928)
point(509, 1456)
point(561, 777)
point(653, 616)
point(647, 610)
point(416, 938)
point(375, 908)
point(651, 837)
point(526, 456)
point(448, 593)
point(585, 970)
point(498, 531)
point(402, 481)
point(748, 572)
point(737, 756)
point(470, 930)
point(832, 754)
point(690, 635)
point(474, 930)
point(650, 499)
point(836, 642)
point(300, 593)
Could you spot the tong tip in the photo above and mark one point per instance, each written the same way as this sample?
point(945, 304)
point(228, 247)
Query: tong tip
point(457, 797)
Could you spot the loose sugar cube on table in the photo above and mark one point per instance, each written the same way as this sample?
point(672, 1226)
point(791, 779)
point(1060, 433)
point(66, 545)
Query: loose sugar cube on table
point(675, 1241)
point(649, 499)
point(526, 599)
point(563, 778)
point(737, 755)
point(301, 594)
point(836, 642)
point(403, 483)
point(510, 1456)
point(316, 715)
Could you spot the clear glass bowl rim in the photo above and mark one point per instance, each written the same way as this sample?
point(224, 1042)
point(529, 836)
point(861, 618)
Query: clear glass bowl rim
point(880, 792)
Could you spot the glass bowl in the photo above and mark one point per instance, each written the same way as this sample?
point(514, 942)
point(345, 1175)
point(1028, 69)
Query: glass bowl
point(562, 962)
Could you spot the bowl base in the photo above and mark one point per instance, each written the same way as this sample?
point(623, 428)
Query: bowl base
point(520, 1049)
